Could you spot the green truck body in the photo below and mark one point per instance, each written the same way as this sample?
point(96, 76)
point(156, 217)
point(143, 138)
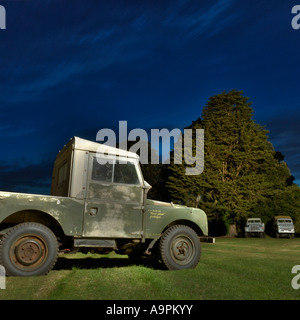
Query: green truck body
point(98, 201)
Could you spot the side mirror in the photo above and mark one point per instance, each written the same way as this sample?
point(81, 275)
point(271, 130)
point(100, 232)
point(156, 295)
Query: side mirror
point(146, 187)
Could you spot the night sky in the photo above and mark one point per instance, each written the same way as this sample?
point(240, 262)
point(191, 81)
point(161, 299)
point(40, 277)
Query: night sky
point(74, 67)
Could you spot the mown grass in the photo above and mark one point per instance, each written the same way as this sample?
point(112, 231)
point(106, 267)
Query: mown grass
point(231, 269)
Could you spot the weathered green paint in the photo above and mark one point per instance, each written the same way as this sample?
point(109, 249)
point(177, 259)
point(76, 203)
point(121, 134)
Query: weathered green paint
point(160, 214)
point(67, 212)
point(113, 211)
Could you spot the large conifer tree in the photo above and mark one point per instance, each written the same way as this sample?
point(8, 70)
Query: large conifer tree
point(241, 171)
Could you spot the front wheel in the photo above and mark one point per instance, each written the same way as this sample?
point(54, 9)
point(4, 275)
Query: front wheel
point(28, 249)
point(180, 248)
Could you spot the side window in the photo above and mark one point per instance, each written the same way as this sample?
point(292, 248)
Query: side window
point(115, 171)
point(62, 173)
point(125, 173)
point(102, 172)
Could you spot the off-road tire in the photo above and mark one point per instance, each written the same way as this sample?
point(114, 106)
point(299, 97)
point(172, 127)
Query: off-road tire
point(28, 249)
point(180, 248)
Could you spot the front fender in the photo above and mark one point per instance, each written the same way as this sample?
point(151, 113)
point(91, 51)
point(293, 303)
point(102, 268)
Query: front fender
point(159, 215)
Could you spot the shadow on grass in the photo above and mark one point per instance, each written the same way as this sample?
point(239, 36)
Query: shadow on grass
point(95, 263)
point(90, 263)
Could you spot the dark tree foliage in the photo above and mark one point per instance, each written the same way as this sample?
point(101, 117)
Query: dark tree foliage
point(243, 175)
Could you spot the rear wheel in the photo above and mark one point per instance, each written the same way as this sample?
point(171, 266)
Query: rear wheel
point(28, 249)
point(180, 248)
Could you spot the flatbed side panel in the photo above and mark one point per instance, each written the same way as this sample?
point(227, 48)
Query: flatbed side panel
point(67, 212)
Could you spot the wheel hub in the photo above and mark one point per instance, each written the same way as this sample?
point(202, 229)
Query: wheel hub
point(181, 250)
point(28, 252)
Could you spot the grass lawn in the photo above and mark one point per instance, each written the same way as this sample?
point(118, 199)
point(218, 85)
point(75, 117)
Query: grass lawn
point(234, 269)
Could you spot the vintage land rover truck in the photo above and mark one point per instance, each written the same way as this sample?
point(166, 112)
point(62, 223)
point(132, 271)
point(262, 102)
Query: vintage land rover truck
point(254, 227)
point(97, 203)
point(284, 227)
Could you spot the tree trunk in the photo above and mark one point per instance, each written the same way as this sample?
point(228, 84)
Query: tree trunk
point(232, 230)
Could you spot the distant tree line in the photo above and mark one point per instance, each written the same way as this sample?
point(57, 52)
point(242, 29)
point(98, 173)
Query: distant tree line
point(244, 176)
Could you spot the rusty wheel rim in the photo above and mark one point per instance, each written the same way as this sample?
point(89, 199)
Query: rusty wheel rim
point(28, 252)
point(182, 249)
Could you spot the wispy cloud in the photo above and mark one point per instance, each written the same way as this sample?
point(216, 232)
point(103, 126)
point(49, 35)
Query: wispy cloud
point(8, 131)
point(92, 37)
point(206, 21)
point(83, 50)
point(90, 52)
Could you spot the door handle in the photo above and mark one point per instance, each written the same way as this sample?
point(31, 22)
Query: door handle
point(93, 212)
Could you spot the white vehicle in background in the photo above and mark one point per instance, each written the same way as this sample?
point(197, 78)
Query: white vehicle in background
point(284, 227)
point(255, 227)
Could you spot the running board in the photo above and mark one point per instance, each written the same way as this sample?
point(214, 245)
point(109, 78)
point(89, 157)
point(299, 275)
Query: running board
point(94, 243)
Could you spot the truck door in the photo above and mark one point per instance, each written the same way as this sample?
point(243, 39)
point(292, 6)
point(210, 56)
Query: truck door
point(114, 199)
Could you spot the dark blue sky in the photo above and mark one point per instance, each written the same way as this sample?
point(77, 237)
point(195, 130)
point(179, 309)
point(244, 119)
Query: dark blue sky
point(74, 67)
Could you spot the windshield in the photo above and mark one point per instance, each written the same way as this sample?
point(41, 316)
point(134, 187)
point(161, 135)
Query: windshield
point(284, 221)
point(254, 221)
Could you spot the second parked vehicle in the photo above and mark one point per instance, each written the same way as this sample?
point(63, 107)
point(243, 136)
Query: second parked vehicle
point(284, 227)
